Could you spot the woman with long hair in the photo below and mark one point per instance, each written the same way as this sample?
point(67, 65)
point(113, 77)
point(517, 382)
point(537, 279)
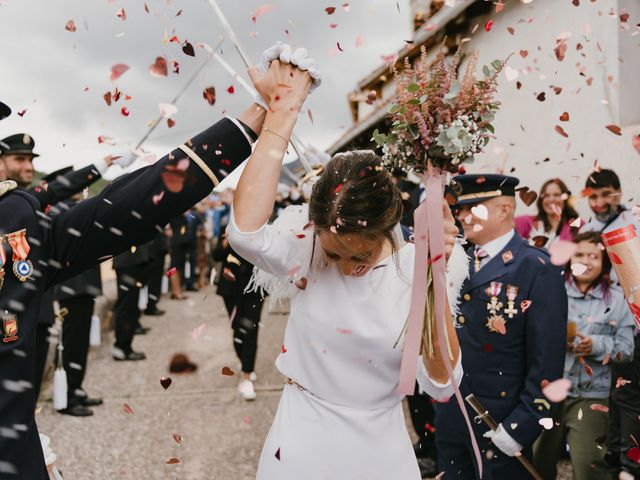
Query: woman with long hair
point(340, 414)
point(599, 334)
point(553, 218)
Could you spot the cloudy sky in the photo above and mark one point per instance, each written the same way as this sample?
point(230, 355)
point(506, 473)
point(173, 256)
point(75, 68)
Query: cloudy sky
point(56, 78)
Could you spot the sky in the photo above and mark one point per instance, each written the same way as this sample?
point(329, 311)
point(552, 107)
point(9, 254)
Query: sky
point(54, 79)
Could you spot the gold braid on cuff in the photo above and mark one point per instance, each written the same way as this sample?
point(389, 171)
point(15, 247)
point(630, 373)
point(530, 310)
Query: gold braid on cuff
point(203, 166)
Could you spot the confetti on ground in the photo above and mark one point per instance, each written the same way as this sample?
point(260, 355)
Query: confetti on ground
point(127, 408)
point(227, 372)
point(177, 438)
point(172, 461)
point(165, 382)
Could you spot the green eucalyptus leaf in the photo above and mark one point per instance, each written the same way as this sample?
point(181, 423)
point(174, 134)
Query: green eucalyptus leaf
point(490, 128)
point(415, 132)
point(497, 64)
point(486, 70)
point(413, 87)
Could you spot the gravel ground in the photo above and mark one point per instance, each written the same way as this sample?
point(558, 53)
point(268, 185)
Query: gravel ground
point(222, 435)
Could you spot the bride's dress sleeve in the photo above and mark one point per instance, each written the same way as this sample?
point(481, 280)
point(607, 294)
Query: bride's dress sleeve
point(274, 249)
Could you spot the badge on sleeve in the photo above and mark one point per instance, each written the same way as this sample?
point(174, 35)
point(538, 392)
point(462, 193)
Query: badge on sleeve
point(9, 327)
point(22, 268)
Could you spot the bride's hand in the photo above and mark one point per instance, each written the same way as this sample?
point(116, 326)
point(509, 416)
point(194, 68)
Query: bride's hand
point(283, 86)
point(450, 229)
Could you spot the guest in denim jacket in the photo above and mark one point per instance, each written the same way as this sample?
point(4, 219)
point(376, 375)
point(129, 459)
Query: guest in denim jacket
point(600, 331)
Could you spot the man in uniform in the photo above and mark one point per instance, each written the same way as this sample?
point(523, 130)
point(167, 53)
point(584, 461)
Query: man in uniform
point(512, 333)
point(17, 155)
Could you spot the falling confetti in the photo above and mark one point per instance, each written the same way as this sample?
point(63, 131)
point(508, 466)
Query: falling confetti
point(159, 67)
point(547, 423)
point(187, 49)
point(117, 70)
point(330, 10)
point(261, 10)
point(124, 111)
point(578, 269)
point(70, 26)
point(171, 272)
point(597, 407)
point(480, 211)
point(121, 14)
point(614, 129)
point(167, 109)
point(209, 94)
point(557, 390)
point(488, 26)
point(231, 90)
point(635, 141)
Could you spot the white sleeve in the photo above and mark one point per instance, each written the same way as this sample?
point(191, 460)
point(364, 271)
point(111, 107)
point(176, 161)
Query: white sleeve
point(436, 390)
point(268, 248)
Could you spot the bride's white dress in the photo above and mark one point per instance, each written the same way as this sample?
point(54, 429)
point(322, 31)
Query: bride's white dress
point(347, 423)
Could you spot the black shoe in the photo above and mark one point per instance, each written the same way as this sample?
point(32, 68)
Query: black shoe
point(142, 330)
point(121, 355)
point(77, 411)
point(154, 312)
point(428, 467)
point(91, 402)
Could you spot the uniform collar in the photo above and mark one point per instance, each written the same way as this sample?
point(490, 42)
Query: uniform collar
point(495, 246)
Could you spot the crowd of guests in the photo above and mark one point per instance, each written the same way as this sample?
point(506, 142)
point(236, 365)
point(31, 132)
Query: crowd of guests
point(597, 426)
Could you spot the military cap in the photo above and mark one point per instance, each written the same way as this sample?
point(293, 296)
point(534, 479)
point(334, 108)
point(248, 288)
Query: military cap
point(19, 143)
point(56, 173)
point(5, 111)
point(478, 188)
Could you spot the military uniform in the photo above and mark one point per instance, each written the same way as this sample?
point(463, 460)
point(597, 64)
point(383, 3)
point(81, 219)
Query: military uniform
point(512, 333)
point(61, 246)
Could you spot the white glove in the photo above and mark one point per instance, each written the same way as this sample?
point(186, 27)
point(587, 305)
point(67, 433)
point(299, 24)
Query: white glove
point(125, 159)
point(504, 441)
point(298, 57)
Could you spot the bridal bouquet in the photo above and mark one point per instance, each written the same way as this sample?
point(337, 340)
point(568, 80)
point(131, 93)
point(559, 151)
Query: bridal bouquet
point(438, 120)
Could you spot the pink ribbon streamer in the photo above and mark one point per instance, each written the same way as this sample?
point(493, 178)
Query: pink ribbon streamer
point(429, 238)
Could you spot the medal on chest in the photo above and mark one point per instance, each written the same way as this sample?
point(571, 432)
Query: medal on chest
point(495, 321)
point(512, 293)
point(9, 327)
point(22, 268)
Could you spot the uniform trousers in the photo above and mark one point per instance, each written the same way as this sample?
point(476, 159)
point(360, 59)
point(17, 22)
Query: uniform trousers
point(42, 352)
point(582, 426)
point(245, 324)
point(75, 340)
point(156, 272)
point(126, 311)
point(624, 416)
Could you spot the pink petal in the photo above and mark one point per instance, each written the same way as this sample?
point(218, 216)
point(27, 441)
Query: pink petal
point(557, 390)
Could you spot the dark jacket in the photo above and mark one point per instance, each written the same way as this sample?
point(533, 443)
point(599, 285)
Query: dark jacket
point(67, 244)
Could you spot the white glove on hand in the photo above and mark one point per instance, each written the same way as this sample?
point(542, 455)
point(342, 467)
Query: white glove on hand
point(298, 57)
point(125, 159)
point(504, 441)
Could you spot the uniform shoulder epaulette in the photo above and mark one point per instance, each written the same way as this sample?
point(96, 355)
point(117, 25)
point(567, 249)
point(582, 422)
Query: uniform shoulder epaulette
point(6, 186)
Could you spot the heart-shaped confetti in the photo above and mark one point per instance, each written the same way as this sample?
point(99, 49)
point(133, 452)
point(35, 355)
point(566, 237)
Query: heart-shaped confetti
point(165, 382)
point(301, 283)
point(524, 53)
point(159, 67)
point(561, 251)
point(227, 372)
point(117, 70)
point(578, 269)
point(557, 390)
point(528, 196)
point(209, 94)
point(547, 423)
point(597, 407)
point(187, 49)
point(510, 73)
point(480, 211)
point(167, 109)
point(564, 117)
point(615, 129)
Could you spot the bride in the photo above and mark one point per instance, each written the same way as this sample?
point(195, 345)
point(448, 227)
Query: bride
point(340, 416)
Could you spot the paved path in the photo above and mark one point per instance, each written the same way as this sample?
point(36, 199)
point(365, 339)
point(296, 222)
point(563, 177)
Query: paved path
point(222, 435)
